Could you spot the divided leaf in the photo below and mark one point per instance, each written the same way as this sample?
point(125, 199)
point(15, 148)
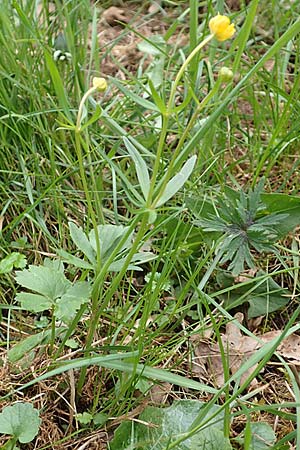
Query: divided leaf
point(14, 260)
point(70, 302)
point(55, 292)
point(48, 282)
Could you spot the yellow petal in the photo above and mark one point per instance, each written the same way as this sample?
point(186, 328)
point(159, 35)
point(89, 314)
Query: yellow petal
point(221, 27)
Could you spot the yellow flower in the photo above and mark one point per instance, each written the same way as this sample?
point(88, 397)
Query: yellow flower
point(221, 27)
point(100, 84)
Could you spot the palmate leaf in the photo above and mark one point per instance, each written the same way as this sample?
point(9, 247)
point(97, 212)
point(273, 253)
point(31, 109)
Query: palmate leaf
point(13, 260)
point(70, 302)
point(51, 291)
point(239, 218)
point(34, 302)
point(43, 280)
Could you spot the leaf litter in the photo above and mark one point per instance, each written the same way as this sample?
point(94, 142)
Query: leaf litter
point(238, 348)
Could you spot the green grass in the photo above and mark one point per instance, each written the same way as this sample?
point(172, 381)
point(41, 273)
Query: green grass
point(160, 153)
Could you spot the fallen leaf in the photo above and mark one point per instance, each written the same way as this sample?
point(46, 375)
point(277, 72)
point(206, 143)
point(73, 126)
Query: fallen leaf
point(238, 348)
point(155, 7)
point(114, 16)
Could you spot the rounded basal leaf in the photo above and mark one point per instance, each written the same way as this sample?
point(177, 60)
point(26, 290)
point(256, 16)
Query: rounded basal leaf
point(21, 421)
point(161, 427)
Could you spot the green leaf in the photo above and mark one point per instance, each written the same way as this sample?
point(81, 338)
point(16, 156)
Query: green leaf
point(43, 280)
point(110, 236)
point(140, 167)
point(283, 203)
point(82, 243)
point(262, 436)
point(84, 418)
point(19, 350)
point(157, 99)
point(100, 419)
point(34, 302)
point(177, 181)
point(156, 46)
point(263, 297)
point(14, 260)
point(139, 258)
point(166, 425)
point(94, 118)
point(74, 260)
point(58, 85)
point(70, 302)
point(136, 98)
point(21, 421)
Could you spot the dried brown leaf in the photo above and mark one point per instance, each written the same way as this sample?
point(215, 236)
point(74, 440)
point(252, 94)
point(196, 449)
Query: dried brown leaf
point(114, 16)
point(237, 348)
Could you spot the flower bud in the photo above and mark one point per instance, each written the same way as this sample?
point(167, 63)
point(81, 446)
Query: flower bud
point(100, 84)
point(225, 74)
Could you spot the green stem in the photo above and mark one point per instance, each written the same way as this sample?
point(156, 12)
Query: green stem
point(209, 271)
point(98, 309)
point(82, 173)
point(165, 118)
point(182, 69)
point(183, 137)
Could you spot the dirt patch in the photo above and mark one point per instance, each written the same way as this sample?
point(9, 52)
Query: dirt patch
point(121, 29)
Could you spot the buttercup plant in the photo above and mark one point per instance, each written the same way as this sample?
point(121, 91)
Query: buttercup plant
point(155, 193)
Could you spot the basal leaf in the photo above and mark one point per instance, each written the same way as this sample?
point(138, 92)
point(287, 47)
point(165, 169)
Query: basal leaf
point(21, 421)
point(166, 425)
point(13, 260)
point(70, 302)
point(43, 280)
point(34, 302)
point(262, 436)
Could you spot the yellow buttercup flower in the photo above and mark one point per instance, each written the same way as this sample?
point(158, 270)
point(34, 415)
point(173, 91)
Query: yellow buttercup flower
point(221, 27)
point(100, 84)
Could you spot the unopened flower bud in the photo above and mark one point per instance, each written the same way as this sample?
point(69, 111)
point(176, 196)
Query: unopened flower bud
point(225, 74)
point(100, 84)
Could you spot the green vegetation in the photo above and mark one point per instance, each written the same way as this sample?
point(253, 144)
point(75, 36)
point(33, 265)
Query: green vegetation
point(149, 257)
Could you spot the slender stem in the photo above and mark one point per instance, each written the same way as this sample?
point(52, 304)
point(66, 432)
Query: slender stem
point(165, 117)
point(182, 69)
point(160, 148)
point(183, 137)
point(209, 271)
point(96, 312)
point(82, 173)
